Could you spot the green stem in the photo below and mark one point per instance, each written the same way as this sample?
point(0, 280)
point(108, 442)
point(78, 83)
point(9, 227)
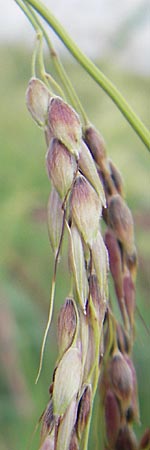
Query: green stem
point(60, 70)
point(38, 52)
point(94, 72)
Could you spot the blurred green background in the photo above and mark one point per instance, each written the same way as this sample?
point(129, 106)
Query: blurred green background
point(25, 255)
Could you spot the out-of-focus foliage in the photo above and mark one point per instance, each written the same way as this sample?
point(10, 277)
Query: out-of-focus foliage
point(25, 256)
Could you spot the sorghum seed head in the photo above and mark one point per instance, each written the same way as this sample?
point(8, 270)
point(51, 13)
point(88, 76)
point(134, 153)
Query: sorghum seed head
point(37, 100)
point(85, 209)
point(65, 125)
point(120, 219)
point(112, 417)
point(67, 380)
point(121, 379)
point(61, 167)
point(89, 170)
point(83, 412)
point(67, 323)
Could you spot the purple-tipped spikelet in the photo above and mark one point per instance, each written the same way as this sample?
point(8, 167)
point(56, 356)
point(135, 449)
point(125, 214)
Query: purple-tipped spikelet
point(47, 421)
point(77, 265)
point(121, 221)
point(97, 299)
point(101, 264)
point(133, 412)
point(66, 426)
point(67, 380)
point(67, 323)
point(145, 440)
point(37, 100)
point(83, 412)
point(48, 444)
point(55, 219)
point(96, 144)
point(115, 261)
point(116, 178)
point(65, 125)
point(126, 440)
point(61, 167)
point(122, 339)
point(112, 418)
point(88, 169)
point(74, 445)
point(121, 380)
point(85, 209)
point(129, 297)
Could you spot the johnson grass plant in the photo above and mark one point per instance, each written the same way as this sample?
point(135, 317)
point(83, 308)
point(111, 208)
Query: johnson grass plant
point(87, 208)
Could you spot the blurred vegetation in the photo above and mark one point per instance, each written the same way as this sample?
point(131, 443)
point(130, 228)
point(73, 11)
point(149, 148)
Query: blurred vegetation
point(25, 255)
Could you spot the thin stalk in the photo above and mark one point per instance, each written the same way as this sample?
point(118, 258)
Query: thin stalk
point(62, 73)
point(94, 72)
point(52, 295)
point(38, 52)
